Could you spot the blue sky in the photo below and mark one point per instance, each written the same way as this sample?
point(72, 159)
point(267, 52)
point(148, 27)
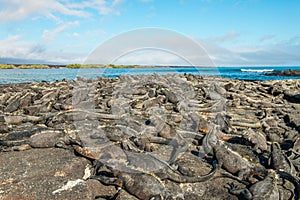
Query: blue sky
point(233, 32)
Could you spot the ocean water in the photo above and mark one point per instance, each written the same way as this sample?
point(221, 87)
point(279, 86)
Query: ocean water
point(36, 75)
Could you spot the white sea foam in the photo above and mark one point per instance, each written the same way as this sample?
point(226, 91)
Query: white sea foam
point(257, 70)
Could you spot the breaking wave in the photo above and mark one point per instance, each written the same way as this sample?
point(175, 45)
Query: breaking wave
point(257, 70)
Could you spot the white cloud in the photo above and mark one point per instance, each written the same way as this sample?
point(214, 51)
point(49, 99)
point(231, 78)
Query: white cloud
point(265, 51)
point(151, 57)
point(162, 46)
point(49, 35)
point(229, 36)
point(276, 54)
point(158, 46)
point(221, 55)
point(267, 37)
point(103, 7)
point(76, 34)
point(281, 53)
point(117, 2)
point(15, 47)
point(15, 10)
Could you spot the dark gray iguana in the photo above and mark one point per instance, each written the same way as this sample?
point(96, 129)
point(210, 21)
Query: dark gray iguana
point(141, 174)
point(265, 189)
point(38, 137)
point(141, 185)
point(234, 163)
point(143, 162)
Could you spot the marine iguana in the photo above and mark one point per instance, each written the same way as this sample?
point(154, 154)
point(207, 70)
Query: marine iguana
point(234, 162)
point(265, 189)
point(141, 185)
point(40, 137)
point(145, 162)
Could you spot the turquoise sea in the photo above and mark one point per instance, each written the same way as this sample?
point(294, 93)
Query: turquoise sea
point(53, 74)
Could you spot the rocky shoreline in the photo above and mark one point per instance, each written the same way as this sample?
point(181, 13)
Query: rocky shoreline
point(150, 137)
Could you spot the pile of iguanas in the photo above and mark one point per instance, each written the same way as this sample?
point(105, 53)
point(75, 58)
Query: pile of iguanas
point(136, 129)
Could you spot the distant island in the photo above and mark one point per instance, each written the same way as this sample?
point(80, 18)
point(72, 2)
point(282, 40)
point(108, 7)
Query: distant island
point(75, 65)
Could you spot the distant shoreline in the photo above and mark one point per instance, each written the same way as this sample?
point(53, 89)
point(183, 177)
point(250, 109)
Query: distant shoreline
point(79, 66)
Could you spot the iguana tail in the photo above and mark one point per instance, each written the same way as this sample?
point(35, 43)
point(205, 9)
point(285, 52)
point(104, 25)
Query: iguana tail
point(187, 179)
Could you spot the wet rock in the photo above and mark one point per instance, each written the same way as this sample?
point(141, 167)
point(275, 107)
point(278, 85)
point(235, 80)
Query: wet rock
point(294, 98)
point(288, 72)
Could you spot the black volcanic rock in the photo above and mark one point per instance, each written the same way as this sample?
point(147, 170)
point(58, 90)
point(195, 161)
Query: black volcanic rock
point(292, 98)
point(288, 72)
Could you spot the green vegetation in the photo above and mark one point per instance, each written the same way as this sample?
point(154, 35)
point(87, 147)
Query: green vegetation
point(93, 66)
point(6, 66)
point(33, 67)
point(122, 66)
point(74, 65)
point(100, 66)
